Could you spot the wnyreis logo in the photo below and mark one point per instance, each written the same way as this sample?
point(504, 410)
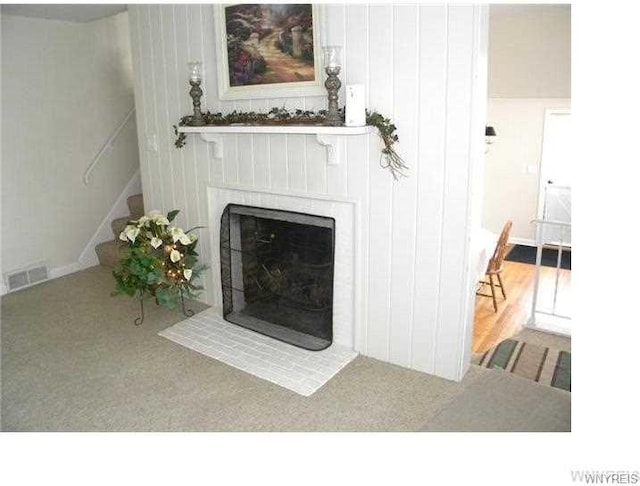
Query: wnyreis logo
point(605, 477)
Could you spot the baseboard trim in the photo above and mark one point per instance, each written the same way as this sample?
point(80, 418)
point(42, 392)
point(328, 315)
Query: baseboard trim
point(65, 270)
point(521, 241)
point(88, 257)
point(54, 273)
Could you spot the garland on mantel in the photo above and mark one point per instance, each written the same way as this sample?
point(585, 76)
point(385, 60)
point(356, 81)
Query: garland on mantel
point(389, 158)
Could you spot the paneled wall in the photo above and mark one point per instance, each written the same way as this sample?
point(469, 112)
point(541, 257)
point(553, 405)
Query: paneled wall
point(421, 66)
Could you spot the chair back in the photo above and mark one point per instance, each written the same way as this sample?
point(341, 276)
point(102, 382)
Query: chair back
point(495, 264)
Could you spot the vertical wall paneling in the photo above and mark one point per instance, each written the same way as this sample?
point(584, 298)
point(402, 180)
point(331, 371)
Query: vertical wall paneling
point(154, 200)
point(417, 65)
point(183, 107)
point(456, 187)
point(356, 157)
point(278, 161)
point(172, 109)
point(260, 151)
point(165, 63)
point(316, 166)
point(336, 35)
point(405, 94)
point(243, 147)
point(142, 118)
point(362, 335)
point(245, 159)
point(199, 24)
point(211, 83)
point(296, 163)
point(178, 110)
point(381, 91)
point(429, 173)
point(164, 156)
point(476, 170)
point(261, 161)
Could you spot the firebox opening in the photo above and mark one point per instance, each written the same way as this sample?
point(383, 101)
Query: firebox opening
point(277, 273)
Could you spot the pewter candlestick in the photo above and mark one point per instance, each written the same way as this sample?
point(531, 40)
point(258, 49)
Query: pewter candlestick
point(332, 68)
point(197, 120)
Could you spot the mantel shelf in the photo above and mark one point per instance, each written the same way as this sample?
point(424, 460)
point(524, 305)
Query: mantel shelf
point(282, 129)
point(325, 135)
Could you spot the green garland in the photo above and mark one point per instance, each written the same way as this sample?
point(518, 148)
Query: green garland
point(389, 158)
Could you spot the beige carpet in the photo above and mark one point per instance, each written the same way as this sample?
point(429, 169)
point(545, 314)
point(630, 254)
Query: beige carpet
point(72, 360)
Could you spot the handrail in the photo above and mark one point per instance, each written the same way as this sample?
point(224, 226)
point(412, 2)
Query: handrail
point(107, 145)
point(552, 222)
point(539, 245)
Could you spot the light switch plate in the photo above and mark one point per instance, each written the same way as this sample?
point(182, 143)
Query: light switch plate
point(152, 143)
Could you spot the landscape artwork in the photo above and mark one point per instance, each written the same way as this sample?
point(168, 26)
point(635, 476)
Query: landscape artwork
point(269, 45)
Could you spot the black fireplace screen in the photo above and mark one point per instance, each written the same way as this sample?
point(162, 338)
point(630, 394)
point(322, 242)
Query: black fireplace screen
point(277, 273)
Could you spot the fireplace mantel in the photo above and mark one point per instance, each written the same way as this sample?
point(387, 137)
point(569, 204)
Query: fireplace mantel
point(326, 136)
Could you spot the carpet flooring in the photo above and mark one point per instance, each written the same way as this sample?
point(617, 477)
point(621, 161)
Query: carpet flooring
point(527, 254)
point(72, 360)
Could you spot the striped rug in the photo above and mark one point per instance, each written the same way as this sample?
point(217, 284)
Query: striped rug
point(547, 366)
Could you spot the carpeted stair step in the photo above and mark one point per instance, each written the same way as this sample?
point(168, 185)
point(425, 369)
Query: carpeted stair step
point(118, 225)
point(110, 252)
point(136, 206)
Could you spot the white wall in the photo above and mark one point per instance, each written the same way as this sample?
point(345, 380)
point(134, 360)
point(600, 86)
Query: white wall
point(421, 65)
point(513, 162)
point(65, 88)
point(529, 71)
point(530, 51)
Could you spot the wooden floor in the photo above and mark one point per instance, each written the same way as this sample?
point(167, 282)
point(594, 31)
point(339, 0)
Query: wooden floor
point(492, 327)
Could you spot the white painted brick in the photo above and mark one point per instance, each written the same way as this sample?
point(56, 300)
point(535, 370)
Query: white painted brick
point(299, 370)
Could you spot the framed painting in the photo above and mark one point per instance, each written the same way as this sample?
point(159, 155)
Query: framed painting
point(268, 51)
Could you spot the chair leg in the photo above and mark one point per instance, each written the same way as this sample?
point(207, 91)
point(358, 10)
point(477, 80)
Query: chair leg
point(493, 293)
point(501, 286)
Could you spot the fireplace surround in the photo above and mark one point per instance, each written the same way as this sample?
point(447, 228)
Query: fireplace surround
point(343, 214)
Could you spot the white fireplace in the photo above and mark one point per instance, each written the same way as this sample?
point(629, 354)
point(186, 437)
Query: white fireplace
point(406, 296)
point(347, 320)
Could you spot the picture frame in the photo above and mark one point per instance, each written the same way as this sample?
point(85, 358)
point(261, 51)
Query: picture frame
point(268, 60)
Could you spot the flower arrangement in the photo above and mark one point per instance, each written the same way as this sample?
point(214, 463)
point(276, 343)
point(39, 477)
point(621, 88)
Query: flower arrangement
point(161, 262)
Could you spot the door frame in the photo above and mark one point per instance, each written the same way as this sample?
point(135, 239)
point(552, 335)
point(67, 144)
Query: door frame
point(548, 113)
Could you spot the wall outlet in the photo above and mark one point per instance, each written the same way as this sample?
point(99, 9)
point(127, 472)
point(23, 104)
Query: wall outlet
point(355, 110)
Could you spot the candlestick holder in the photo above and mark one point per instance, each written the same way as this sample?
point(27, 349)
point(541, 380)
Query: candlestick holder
point(332, 68)
point(195, 79)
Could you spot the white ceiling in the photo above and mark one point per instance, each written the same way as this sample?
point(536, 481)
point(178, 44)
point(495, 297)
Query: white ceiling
point(70, 13)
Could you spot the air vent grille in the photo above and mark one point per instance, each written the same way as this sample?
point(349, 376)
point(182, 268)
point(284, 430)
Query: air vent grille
point(17, 280)
point(38, 274)
point(26, 277)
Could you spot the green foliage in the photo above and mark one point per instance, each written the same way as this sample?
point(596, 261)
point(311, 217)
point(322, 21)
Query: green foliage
point(389, 158)
point(162, 261)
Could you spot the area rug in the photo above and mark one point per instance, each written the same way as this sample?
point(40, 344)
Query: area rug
point(296, 369)
point(544, 365)
point(527, 254)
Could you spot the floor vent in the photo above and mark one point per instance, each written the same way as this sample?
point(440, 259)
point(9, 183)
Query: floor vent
point(26, 277)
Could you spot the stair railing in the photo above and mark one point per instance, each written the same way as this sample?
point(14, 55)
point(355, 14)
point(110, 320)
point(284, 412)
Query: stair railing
point(108, 145)
point(564, 228)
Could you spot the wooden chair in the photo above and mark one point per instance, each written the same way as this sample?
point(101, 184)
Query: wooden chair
point(495, 266)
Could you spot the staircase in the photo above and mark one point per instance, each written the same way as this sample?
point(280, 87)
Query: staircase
point(110, 252)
